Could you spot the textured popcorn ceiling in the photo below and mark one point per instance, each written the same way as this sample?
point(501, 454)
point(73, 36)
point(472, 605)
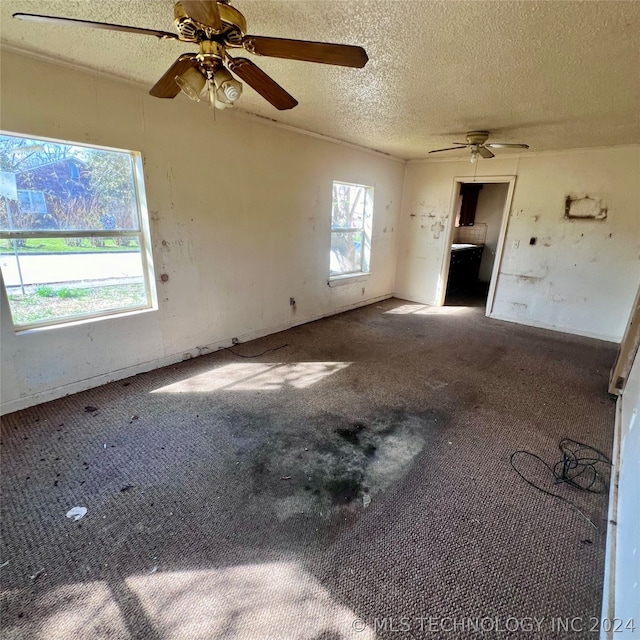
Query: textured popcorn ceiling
point(553, 74)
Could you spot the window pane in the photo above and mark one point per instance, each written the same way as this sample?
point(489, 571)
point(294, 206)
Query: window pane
point(346, 252)
point(54, 278)
point(50, 185)
point(349, 203)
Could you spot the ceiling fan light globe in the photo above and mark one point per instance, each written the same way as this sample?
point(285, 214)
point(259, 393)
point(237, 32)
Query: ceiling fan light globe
point(232, 89)
point(191, 83)
point(221, 76)
point(228, 89)
point(474, 156)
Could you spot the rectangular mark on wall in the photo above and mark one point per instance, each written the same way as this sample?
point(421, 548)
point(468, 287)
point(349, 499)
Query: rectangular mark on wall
point(584, 208)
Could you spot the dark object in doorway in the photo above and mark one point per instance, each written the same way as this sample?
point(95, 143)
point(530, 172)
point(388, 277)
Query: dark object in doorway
point(581, 467)
point(464, 266)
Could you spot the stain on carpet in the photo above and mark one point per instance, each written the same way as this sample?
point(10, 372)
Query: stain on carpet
point(330, 464)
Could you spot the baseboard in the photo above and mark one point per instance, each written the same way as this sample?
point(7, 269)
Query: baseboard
point(570, 330)
point(119, 374)
point(402, 296)
point(530, 323)
point(126, 372)
point(339, 310)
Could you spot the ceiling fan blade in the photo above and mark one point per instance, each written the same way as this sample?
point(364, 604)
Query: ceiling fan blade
point(485, 153)
point(344, 55)
point(502, 145)
point(464, 144)
point(449, 149)
point(32, 17)
point(205, 12)
point(167, 86)
point(258, 80)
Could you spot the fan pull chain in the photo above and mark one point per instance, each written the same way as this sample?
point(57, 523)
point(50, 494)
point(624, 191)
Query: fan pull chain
point(211, 95)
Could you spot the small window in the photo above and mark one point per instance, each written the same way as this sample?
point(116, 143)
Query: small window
point(32, 202)
point(351, 216)
point(70, 253)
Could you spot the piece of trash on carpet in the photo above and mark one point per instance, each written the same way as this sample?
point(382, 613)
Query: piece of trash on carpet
point(37, 574)
point(77, 513)
point(366, 500)
point(127, 487)
point(4, 564)
point(154, 570)
point(90, 409)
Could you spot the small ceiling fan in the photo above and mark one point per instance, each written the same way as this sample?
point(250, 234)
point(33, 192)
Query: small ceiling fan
point(477, 140)
point(216, 27)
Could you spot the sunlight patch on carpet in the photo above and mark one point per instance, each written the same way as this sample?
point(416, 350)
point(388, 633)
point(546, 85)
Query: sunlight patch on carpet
point(256, 376)
point(277, 600)
point(427, 310)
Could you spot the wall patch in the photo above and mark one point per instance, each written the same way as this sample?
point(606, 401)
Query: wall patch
point(584, 208)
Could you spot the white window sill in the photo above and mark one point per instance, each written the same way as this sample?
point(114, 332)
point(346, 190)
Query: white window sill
point(62, 323)
point(350, 278)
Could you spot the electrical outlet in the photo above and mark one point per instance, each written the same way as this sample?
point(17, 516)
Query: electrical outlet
point(516, 244)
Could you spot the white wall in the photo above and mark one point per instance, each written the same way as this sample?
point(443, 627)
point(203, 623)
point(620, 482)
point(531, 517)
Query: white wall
point(240, 221)
point(628, 529)
point(580, 277)
point(622, 575)
point(489, 211)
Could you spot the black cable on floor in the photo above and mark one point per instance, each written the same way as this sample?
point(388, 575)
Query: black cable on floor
point(257, 355)
point(581, 467)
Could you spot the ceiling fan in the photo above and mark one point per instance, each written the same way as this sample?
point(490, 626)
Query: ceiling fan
point(217, 27)
point(477, 140)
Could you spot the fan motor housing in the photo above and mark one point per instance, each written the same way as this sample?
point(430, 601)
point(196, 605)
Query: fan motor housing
point(234, 25)
point(477, 137)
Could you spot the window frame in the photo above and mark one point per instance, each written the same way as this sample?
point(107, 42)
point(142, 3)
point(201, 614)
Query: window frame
point(142, 234)
point(366, 230)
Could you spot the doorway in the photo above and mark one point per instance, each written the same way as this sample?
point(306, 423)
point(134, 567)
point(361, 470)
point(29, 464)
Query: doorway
point(478, 221)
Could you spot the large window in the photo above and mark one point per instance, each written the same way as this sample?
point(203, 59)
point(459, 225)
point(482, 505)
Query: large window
point(74, 237)
point(352, 211)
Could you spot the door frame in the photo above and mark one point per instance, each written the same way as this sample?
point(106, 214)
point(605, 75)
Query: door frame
point(497, 263)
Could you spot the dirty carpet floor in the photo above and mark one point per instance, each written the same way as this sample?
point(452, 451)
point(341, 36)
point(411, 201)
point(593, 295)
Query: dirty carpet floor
point(354, 483)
